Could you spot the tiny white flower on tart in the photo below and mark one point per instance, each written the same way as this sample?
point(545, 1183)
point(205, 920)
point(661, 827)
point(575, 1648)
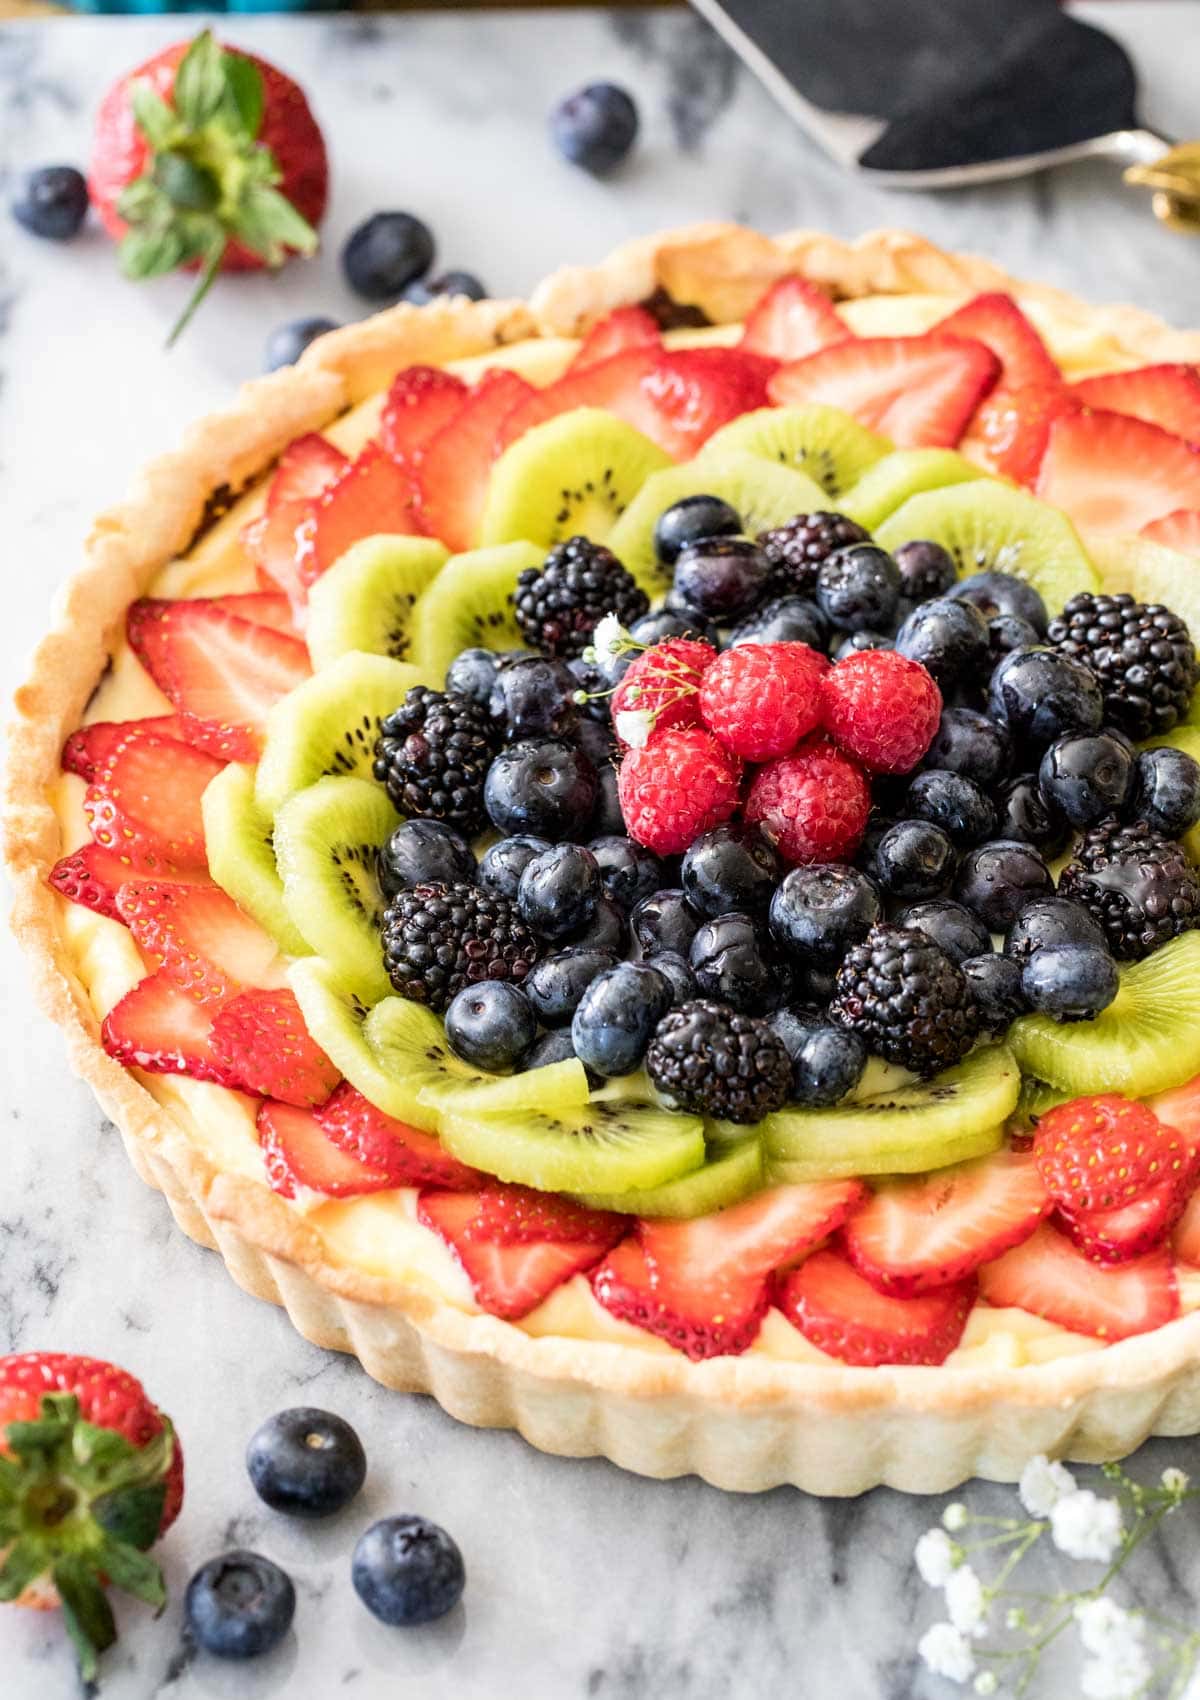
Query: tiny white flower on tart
point(1085, 1526)
point(1043, 1484)
point(936, 1555)
point(634, 726)
point(609, 638)
point(954, 1517)
point(947, 1652)
point(1175, 1480)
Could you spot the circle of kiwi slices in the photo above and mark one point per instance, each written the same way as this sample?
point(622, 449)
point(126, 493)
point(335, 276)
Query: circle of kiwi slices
point(469, 605)
point(241, 855)
point(825, 444)
point(365, 601)
point(903, 473)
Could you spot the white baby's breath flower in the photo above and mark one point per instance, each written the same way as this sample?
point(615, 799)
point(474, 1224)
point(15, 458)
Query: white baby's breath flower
point(954, 1517)
point(986, 1682)
point(1116, 1678)
point(936, 1555)
point(1192, 1691)
point(1108, 1631)
point(966, 1606)
point(947, 1652)
point(608, 637)
point(1085, 1526)
point(1174, 1480)
point(634, 726)
point(1043, 1484)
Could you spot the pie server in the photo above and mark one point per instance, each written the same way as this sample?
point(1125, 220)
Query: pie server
point(928, 94)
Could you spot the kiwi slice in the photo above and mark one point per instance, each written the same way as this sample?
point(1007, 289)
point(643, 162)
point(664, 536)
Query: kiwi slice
point(730, 1173)
point(328, 725)
point(327, 839)
point(334, 1015)
point(241, 855)
point(1036, 1097)
point(904, 473)
point(763, 494)
point(573, 476)
point(829, 446)
point(601, 1148)
point(922, 1125)
point(469, 605)
point(1147, 1040)
point(988, 526)
point(1151, 572)
point(365, 600)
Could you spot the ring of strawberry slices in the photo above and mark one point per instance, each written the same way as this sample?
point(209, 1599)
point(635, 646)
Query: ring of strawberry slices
point(885, 1280)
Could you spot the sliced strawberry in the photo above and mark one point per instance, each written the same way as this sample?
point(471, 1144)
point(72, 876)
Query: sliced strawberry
point(261, 1038)
point(456, 465)
point(300, 1156)
point(794, 318)
point(157, 1027)
point(915, 1236)
point(1115, 1236)
point(1111, 473)
point(202, 940)
point(222, 673)
point(918, 390)
point(1046, 1276)
point(508, 1280)
point(374, 494)
point(517, 1215)
point(843, 1314)
point(1180, 1109)
point(406, 1155)
point(995, 319)
point(1096, 1154)
point(307, 466)
point(86, 750)
point(92, 877)
point(703, 1284)
point(1009, 429)
point(1179, 530)
point(272, 541)
point(1185, 1241)
point(262, 607)
point(623, 328)
point(1167, 396)
point(144, 804)
point(421, 400)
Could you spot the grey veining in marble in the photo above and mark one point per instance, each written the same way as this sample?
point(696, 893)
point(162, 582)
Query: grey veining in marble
point(583, 1581)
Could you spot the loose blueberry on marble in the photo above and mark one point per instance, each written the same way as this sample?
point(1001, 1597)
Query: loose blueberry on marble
point(490, 1024)
point(240, 1605)
point(51, 201)
point(617, 1015)
point(558, 890)
point(287, 342)
point(421, 293)
point(387, 253)
point(689, 521)
point(595, 127)
point(306, 1462)
point(721, 577)
point(1071, 983)
point(407, 1570)
point(419, 850)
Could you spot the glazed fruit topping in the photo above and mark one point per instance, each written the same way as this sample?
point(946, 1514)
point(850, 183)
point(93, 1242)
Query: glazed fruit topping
point(261, 1038)
point(1098, 1154)
point(918, 390)
point(200, 938)
point(794, 318)
point(1046, 1276)
point(144, 803)
point(405, 1155)
point(840, 1312)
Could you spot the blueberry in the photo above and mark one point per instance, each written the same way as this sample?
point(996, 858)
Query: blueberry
point(596, 686)
point(503, 864)
point(673, 623)
point(857, 642)
point(385, 254)
point(820, 911)
point(1072, 983)
point(953, 802)
point(239, 1605)
point(731, 867)
point(558, 890)
point(540, 785)
point(606, 818)
point(732, 964)
point(677, 972)
point(1008, 632)
point(951, 927)
point(553, 1047)
point(968, 742)
point(628, 871)
point(721, 577)
point(827, 1061)
point(1050, 923)
point(948, 638)
point(555, 985)
point(51, 201)
point(489, 1025)
point(858, 587)
point(995, 983)
point(617, 1015)
point(595, 127)
point(1001, 594)
point(913, 859)
point(457, 283)
point(472, 674)
point(287, 342)
point(607, 929)
point(997, 880)
point(664, 921)
point(689, 521)
point(926, 570)
point(813, 983)
point(420, 850)
point(534, 698)
point(1040, 695)
point(1166, 791)
point(305, 1462)
point(788, 619)
point(1023, 812)
point(407, 1570)
point(595, 738)
point(1085, 778)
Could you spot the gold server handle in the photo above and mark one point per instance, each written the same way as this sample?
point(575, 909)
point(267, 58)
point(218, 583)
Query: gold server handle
point(1174, 182)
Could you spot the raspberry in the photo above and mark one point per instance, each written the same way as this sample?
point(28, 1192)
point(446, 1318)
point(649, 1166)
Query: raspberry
point(1101, 1153)
point(663, 682)
point(682, 784)
point(881, 708)
point(760, 699)
point(812, 805)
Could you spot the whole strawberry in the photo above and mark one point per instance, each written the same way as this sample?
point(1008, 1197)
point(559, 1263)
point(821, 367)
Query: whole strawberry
point(207, 157)
point(90, 1476)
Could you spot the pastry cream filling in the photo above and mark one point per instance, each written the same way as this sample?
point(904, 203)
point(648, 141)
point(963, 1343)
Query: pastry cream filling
point(379, 1233)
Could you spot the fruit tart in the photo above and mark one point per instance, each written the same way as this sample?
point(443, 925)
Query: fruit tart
point(632, 858)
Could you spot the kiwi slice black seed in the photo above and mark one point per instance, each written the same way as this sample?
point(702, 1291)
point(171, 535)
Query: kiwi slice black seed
point(366, 599)
point(469, 605)
point(828, 445)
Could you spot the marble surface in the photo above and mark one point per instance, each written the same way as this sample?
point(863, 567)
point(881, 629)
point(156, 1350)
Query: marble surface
point(584, 1581)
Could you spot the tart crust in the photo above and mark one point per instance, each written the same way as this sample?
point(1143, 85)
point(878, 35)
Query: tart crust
point(747, 1423)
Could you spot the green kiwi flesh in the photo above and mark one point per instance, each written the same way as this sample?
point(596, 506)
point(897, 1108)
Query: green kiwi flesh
point(241, 855)
point(469, 605)
point(365, 600)
point(825, 444)
point(906, 472)
point(595, 1148)
point(729, 1173)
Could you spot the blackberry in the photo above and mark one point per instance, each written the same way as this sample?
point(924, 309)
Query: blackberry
point(905, 998)
point(1140, 652)
point(709, 1060)
point(1140, 887)
point(438, 938)
point(796, 549)
point(559, 604)
point(432, 757)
